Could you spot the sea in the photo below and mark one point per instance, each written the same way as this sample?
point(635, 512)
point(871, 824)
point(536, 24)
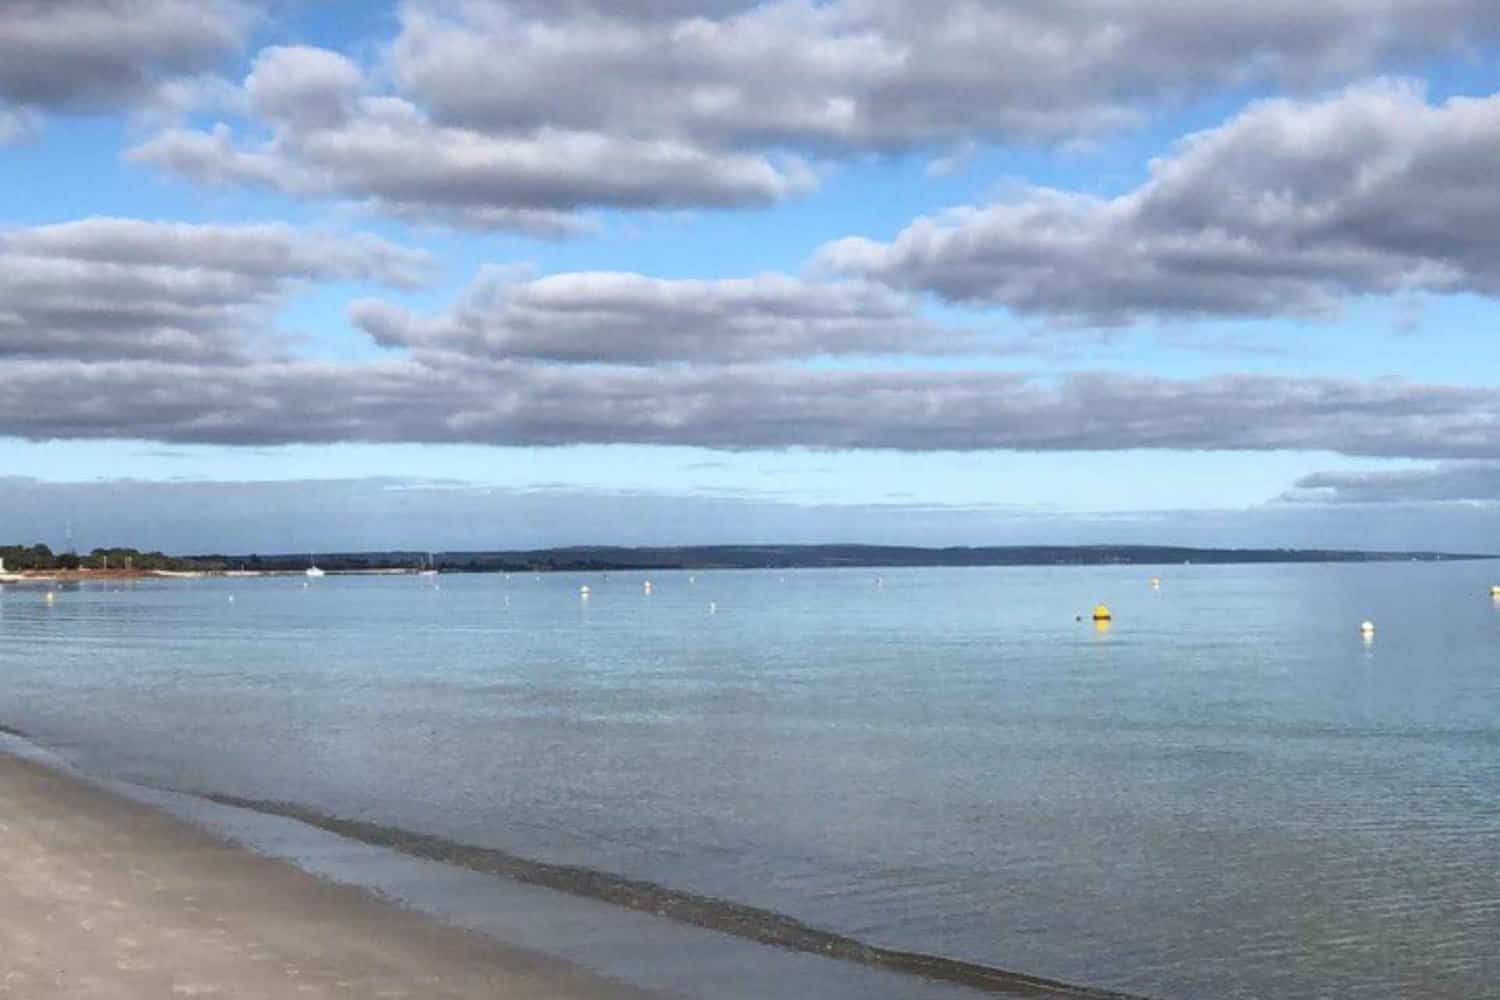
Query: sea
point(1227, 791)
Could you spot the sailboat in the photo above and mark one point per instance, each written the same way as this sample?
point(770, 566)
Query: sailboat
point(312, 568)
point(430, 570)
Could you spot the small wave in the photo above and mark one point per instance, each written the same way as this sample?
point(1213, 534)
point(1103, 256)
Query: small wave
point(753, 923)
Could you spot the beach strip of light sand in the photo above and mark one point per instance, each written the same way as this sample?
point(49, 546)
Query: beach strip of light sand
point(102, 897)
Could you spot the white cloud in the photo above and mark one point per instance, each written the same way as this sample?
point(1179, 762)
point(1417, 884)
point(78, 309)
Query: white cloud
point(888, 74)
point(625, 318)
point(1287, 209)
point(328, 140)
point(15, 125)
point(488, 114)
point(110, 288)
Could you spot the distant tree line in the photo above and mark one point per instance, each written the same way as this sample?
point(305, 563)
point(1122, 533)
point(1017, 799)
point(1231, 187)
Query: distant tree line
point(41, 557)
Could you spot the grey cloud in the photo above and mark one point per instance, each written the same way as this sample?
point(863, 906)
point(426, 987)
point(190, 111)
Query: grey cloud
point(72, 55)
point(1284, 210)
point(113, 288)
point(1460, 482)
point(888, 74)
point(446, 398)
point(633, 319)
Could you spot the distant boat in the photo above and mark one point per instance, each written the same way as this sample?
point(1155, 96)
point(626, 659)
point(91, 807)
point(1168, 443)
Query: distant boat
point(312, 568)
point(431, 570)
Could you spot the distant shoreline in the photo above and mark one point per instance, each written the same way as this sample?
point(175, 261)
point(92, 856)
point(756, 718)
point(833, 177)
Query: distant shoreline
point(704, 558)
point(712, 557)
point(100, 575)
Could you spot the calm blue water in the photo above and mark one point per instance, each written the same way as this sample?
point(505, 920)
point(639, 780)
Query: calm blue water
point(1227, 794)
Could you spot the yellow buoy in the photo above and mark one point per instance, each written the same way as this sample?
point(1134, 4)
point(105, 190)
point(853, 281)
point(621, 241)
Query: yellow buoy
point(1495, 590)
point(1155, 582)
point(1101, 613)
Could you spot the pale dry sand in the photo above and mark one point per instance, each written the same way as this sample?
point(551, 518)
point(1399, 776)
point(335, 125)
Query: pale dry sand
point(105, 898)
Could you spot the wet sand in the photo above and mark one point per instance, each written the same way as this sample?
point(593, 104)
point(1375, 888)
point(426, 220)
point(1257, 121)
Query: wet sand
point(104, 898)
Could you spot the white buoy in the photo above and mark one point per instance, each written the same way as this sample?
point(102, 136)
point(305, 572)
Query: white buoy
point(646, 587)
point(713, 607)
point(51, 597)
point(231, 598)
point(1367, 629)
point(583, 592)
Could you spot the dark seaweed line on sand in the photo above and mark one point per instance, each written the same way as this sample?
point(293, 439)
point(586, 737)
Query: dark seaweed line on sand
point(750, 922)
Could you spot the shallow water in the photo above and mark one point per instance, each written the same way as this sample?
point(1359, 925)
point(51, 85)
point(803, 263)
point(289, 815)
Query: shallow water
point(1226, 794)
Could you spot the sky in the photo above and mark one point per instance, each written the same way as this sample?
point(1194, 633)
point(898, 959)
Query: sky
point(462, 274)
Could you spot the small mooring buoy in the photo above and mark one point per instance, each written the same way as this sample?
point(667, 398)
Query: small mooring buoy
point(583, 592)
point(1156, 583)
point(646, 587)
point(1367, 628)
point(1101, 613)
point(1495, 590)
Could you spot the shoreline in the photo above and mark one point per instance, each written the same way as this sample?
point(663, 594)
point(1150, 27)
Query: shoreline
point(71, 822)
point(101, 896)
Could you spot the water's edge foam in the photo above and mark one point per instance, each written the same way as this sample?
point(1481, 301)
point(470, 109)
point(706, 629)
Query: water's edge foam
point(752, 923)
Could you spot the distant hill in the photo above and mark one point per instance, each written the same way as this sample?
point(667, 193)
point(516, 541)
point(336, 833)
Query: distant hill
point(706, 557)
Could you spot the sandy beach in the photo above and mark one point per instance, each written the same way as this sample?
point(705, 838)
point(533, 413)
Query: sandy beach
point(101, 897)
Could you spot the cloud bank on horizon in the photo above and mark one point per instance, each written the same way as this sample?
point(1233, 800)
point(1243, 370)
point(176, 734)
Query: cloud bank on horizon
point(986, 227)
